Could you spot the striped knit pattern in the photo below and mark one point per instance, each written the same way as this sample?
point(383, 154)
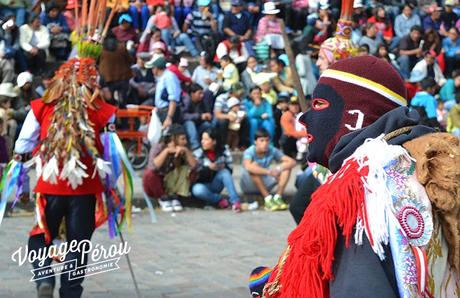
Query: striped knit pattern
point(257, 280)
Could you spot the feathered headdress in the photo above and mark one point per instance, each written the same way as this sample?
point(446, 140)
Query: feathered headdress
point(340, 45)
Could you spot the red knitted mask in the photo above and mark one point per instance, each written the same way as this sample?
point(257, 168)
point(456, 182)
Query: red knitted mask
point(350, 95)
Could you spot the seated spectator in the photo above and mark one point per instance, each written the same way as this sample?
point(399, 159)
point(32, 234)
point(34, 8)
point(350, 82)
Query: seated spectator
point(17, 8)
point(269, 27)
point(196, 114)
point(283, 81)
point(441, 114)
point(296, 14)
point(263, 81)
point(182, 9)
point(427, 67)
point(167, 177)
point(150, 43)
point(405, 21)
point(125, 32)
point(7, 95)
point(201, 24)
point(433, 20)
point(142, 83)
point(432, 42)
point(115, 70)
point(183, 67)
point(291, 133)
point(237, 23)
point(259, 113)
point(237, 115)
point(69, 14)
point(249, 75)
point(370, 38)
point(410, 51)
point(382, 24)
point(45, 81)
point(177, 68)
point(448, 16)
point(453, 119)
point(59, 31)
point(222, 115)
point(305, 69)
point(451, 49)
point(167, 91)
point(234, 48)
point(139, 13)
point(26, 92)
point(34, 40)
point(278, 111)
point(161, 20)
point(215, 172)
point(12, 54)
point(229, 74)
point(205, 73)
point(259, 177)
point(425, 103)
point(320, 26)
point(450, 89)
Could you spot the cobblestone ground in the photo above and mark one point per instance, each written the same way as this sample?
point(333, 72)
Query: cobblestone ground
point(197, 253)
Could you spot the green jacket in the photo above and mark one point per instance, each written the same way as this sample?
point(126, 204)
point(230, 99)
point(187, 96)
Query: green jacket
point(16, 3)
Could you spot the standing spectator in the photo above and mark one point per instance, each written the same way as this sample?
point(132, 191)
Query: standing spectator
point(215, 172)
point(205, 73)
point(451, 49)
point(142, 83)
point(34, 40)
point(259, 113)
point(410, 51)
point(125, 32)
point(167, 177)
point(238, 23)
point(13, 56)
point(140, 14)
point(167, 91)
point(259, 178)
point(202, 25)
point(115, 70)
point(269, 27)
point(18, 8)
point(427, 67)
point(382, 23)
point(59, 31)
point(403, 23)
point(196, 115)
point(371, 38)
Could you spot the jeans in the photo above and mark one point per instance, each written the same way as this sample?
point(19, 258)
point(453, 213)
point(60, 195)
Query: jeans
point(180, 12)
point(19, 12)
point(194, 132)
point(210, 192)
point(73, 209)
point(185, 40)
point(140, 18)
point(166, 35)
point(405, 66)
point(255, 124)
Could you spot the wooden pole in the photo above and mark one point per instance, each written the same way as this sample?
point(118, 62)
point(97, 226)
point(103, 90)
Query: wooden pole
point(295, 74)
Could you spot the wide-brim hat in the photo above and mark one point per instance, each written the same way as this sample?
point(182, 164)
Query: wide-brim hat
point(24, 78)
point(8, 90)
point(270, 8)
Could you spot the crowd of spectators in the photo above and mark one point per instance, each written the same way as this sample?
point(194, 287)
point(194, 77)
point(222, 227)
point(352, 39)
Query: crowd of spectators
point(220, 80)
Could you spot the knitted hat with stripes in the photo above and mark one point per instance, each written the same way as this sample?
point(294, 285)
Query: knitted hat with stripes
point(350, 95)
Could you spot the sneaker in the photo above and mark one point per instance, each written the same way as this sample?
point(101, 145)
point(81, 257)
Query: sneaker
point(270, 204)
point(177, 206)
point(278, 200)
point(45, 290)
point(223, 204)
point(253, 206)
point(166, 205)
point(236, 207)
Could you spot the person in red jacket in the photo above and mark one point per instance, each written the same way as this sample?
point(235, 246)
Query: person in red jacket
point(68, 153)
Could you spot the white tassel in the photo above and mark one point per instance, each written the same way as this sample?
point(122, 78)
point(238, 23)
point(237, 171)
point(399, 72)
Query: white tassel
point(74, 172)
point(103, 168)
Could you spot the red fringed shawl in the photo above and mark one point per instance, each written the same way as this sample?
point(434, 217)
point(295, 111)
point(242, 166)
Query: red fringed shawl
point(305, 268)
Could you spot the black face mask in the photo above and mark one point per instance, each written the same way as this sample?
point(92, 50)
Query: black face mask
point(323, 122)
